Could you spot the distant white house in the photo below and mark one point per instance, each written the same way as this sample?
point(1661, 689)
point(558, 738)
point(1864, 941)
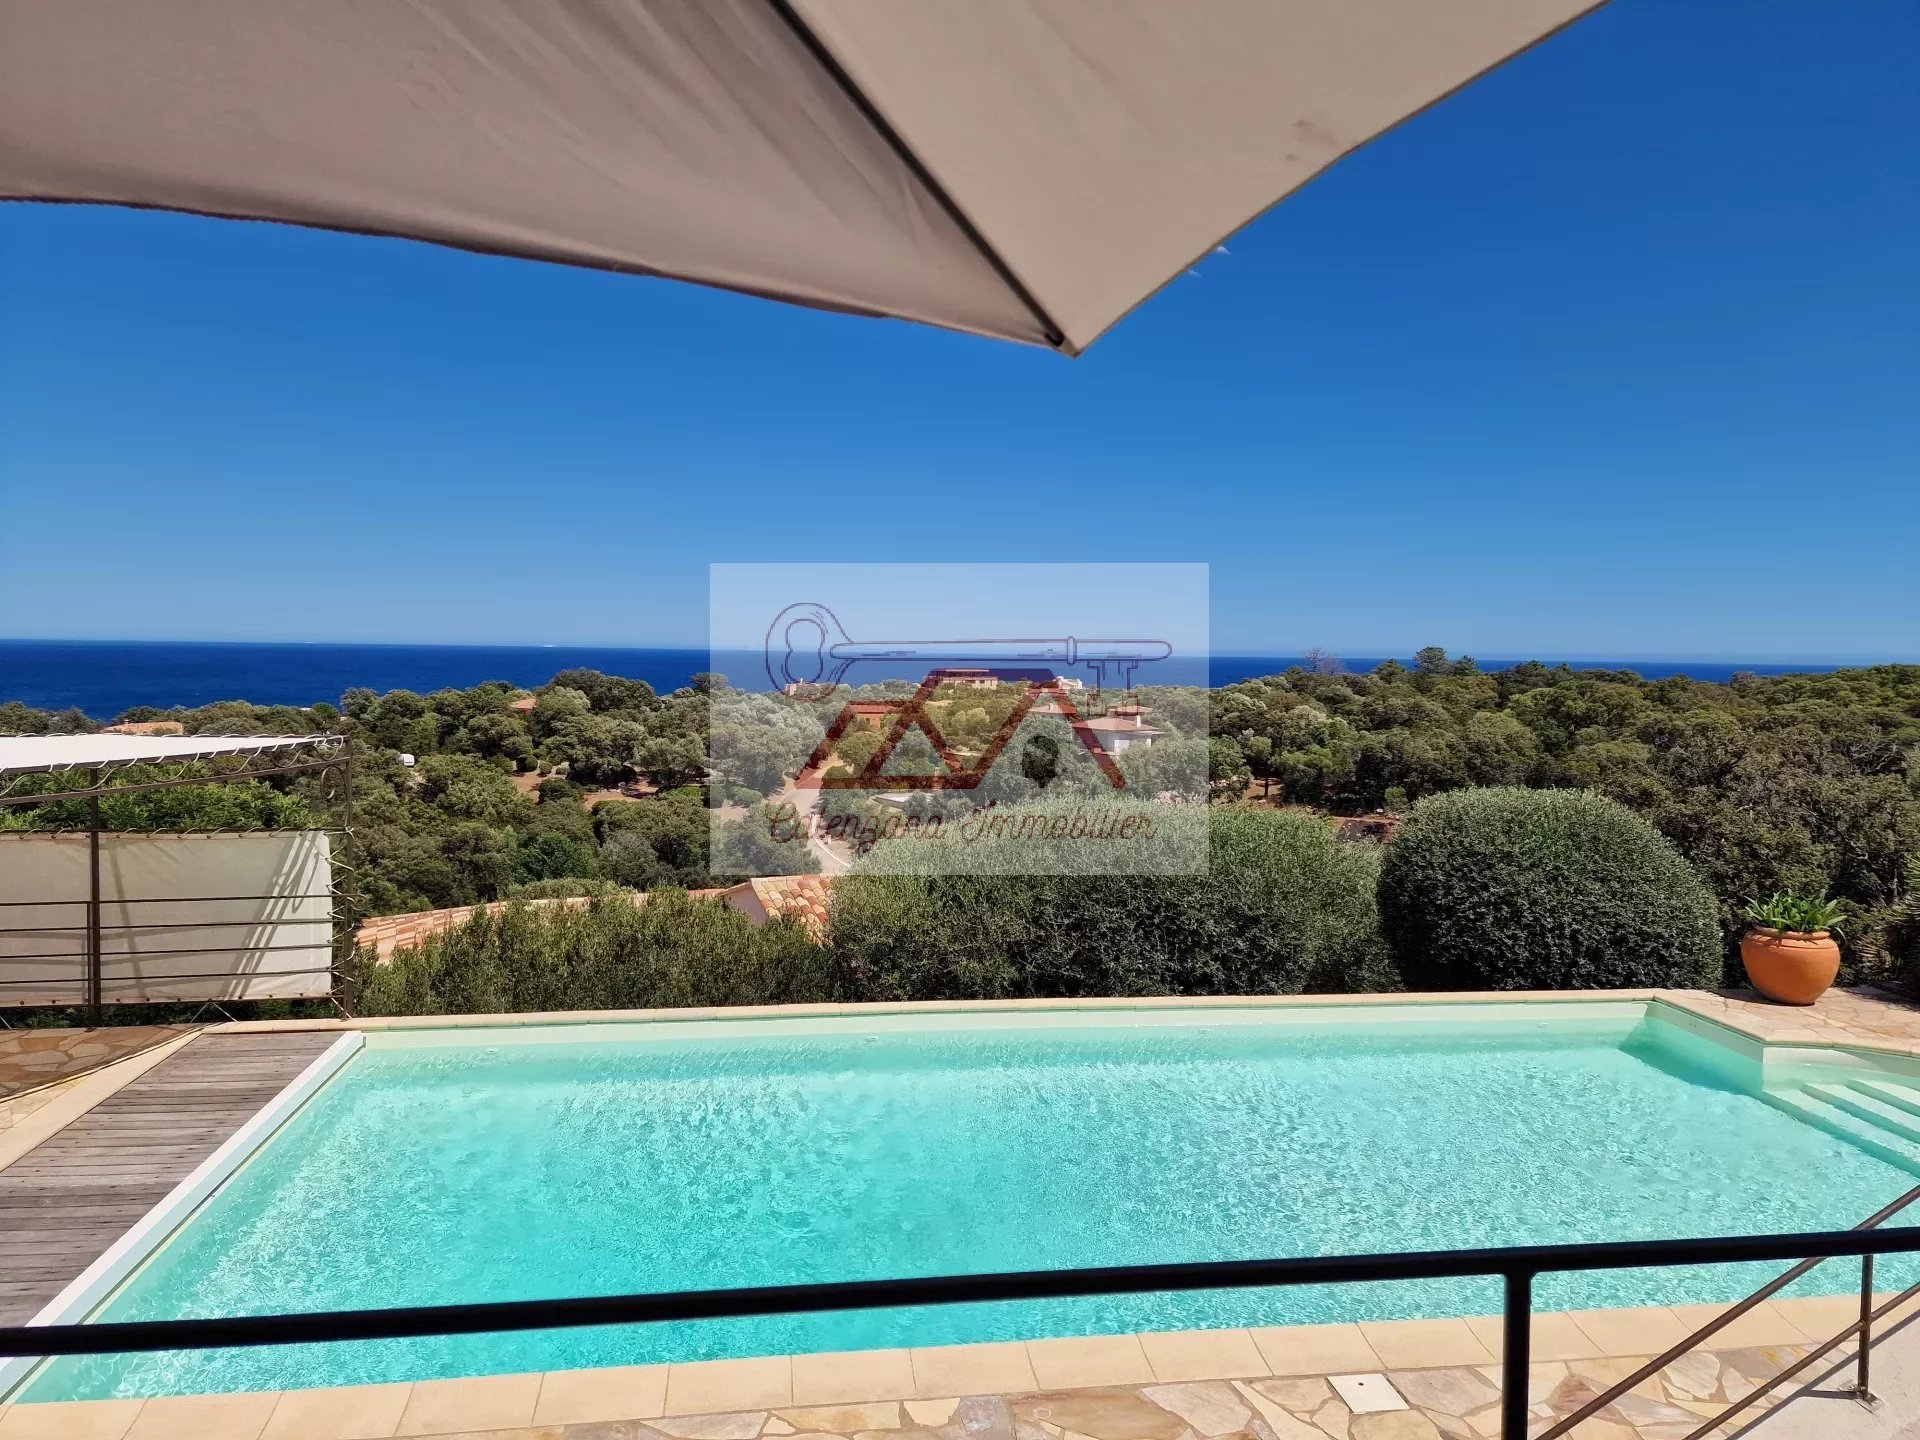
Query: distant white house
point(1122, 728)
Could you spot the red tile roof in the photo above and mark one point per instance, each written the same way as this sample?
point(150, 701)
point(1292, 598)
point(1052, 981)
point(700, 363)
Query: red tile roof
point(388, 933)
point(805, 898)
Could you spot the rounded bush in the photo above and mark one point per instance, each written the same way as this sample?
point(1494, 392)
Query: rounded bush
point(1285, 906)
point(1508, 889)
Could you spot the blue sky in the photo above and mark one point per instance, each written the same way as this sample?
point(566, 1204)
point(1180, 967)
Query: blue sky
point(1614, 354)
point(889, 603)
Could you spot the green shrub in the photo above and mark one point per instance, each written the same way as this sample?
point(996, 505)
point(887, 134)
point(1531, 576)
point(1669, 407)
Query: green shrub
point(1902, 933)
point(1285, 906)
point(1543, 890)
point(230, 805)
point(672, 951)
point(565, 888)
point(1886, 948)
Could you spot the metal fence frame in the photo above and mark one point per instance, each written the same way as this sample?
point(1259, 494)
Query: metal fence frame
point(328, 753)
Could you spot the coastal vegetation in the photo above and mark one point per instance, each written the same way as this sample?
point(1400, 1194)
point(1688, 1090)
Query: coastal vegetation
point(1804, 783)
point(672, 951)
point(1284, 906)
point(1694, 798)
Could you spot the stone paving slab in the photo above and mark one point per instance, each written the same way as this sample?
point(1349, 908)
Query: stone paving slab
point(30, 1059)
point(1866, 1018)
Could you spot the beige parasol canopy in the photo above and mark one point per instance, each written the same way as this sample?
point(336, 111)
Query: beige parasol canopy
point(1030, 169)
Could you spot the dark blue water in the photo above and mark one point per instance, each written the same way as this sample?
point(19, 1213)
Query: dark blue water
point(105, 677)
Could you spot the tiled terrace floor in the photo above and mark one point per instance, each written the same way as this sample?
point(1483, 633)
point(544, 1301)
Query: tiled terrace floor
point(1840, 1017)
point(32, 1058)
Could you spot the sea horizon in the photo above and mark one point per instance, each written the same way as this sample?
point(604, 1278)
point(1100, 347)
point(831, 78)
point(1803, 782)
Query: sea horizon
point(103, 678)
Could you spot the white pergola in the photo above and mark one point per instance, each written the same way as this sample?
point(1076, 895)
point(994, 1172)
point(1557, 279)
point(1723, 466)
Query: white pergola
point(57, 754)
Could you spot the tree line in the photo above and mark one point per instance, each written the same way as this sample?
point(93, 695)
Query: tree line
point(1808, 783)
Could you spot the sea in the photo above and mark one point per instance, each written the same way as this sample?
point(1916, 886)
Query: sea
point(105, 677)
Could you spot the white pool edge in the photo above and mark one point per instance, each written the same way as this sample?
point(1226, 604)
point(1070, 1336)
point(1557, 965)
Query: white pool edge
point(84, 1293)
point(1408, 1018)
point(1540, 1016)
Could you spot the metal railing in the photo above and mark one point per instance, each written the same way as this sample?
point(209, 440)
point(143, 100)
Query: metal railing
point(1517, 1267)
point(1863, 1328)
point(102, 958)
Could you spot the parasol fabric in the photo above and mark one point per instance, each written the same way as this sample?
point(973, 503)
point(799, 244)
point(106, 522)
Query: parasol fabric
point(1028, 169)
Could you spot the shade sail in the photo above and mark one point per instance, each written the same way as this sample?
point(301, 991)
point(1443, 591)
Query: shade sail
point(1028, 169)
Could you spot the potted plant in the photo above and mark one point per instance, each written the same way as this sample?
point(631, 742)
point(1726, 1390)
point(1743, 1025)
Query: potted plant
point(1790, 953)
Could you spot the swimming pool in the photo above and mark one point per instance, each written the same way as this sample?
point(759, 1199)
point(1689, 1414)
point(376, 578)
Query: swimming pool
point(443, 1166)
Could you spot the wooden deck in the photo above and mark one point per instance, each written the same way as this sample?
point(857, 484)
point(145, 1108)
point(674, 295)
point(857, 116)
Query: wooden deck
point(65, 1201)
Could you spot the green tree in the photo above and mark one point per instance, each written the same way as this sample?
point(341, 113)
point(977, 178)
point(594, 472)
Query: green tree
point(470, 789)
point(553, 856)
point(670, 760)
point(390, 719)
point(607, 693)
point(674, 830)
point(758, 845)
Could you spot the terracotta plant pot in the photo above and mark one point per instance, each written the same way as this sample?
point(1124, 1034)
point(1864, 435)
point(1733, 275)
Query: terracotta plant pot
point(1794, 967)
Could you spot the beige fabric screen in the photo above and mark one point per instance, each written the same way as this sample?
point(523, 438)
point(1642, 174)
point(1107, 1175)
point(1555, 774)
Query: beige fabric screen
point(183, 917)
point(1029, 169)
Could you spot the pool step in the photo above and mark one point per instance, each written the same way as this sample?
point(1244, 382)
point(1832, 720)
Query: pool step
point(1865, 1104)
point(1818, 1105)
point(1904, 1097)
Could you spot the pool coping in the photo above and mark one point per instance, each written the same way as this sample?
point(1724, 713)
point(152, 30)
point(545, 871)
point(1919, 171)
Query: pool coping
point(1706, 1005)
point(1410, 1344)
point(1385, 999)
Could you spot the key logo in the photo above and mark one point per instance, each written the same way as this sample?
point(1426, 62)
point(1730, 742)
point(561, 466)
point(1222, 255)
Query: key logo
point(809, 653)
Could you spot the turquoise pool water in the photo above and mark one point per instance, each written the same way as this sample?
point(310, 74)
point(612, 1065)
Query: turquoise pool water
point(498, 1171)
